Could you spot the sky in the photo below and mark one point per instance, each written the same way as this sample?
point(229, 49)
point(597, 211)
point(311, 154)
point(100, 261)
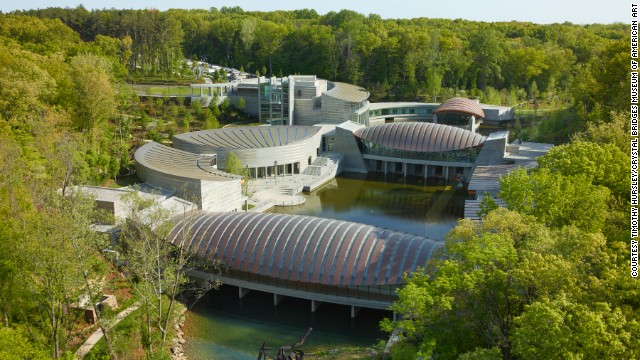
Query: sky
point(540, 11)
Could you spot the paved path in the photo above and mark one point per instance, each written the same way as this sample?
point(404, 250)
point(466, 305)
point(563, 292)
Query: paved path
point(266, 193)
point(97, 335)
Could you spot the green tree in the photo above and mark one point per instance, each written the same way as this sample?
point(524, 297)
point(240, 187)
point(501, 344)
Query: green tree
point(233, 165)
point(224, 31)
point(59, 253)
point(472, 294)
point(269, 37)
point(511, 284)
point(95, 94)
point(213, 106)
point(242, 104)
point(562, 328)
point(156, 265)
point(555, 199)
point(210, 121)
point(616, 132)
point(602, 165)
point(488, 52)
point(14, 345)
point(487, 205)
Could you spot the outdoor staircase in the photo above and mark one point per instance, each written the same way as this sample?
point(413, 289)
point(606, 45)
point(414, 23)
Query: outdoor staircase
point(323, 169)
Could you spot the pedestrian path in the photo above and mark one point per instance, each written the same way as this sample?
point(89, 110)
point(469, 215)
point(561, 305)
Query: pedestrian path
point(97, 335)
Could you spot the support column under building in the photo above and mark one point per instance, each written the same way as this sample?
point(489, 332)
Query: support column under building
point(315, 304)
point(354, 311)
point(277, 299)
point(242, 292)
point(446, 174)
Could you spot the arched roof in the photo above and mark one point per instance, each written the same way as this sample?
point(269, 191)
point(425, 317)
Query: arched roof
point(304, 248)
point(179, 163)
point(420, 136)
point(461, 105)
point(249, 137)
point(347, 92)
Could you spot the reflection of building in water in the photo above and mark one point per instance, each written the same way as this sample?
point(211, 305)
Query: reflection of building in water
point(414, 204)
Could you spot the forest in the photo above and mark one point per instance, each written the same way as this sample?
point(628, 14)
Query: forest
point(547, 277)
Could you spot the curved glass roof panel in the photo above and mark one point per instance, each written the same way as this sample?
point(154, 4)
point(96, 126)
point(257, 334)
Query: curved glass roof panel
point(420, 137)
point(304, 248)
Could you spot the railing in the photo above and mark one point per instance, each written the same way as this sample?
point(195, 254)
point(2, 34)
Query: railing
point(372, 293)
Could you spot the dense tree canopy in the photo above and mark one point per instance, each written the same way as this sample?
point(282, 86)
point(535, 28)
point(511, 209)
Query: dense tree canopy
point(398, 58)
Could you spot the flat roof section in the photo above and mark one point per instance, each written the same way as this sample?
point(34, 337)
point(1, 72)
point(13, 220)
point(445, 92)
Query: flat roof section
point(526, 151)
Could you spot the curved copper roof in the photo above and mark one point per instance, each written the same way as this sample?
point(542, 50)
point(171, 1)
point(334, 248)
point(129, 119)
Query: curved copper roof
point(461, 105)
point(420, 136)
point(179, 163)
point(249, 137)
point(348, 92)
point(304, 248)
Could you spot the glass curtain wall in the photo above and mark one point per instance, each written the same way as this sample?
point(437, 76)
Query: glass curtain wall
point(274, 101)
point(468, 155)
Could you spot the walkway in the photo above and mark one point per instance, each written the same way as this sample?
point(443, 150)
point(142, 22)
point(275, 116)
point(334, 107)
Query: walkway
point(283, 191)
point(97, 335)
point(355, 302)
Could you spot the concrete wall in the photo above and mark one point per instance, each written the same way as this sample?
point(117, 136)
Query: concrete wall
point(334, 110)
point(252, 105)
point(208, 195)
point(304, 113)
point(306, 91)
point(499, 114)
point(221, 195)
point(111, 208)
point(493, 150)
point(188, 189)
point(346, 144)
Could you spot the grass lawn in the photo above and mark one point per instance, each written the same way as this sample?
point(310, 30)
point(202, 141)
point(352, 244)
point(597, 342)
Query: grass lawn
point(165, 90)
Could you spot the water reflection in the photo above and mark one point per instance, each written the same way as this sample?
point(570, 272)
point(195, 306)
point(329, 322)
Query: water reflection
point(223, 327)
point(398, 204)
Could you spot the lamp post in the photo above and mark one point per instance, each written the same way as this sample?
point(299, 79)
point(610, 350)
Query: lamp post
point(246, 180)
point(275, 171)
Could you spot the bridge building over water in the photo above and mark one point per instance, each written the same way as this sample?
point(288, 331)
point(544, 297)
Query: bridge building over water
point(322, 260)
